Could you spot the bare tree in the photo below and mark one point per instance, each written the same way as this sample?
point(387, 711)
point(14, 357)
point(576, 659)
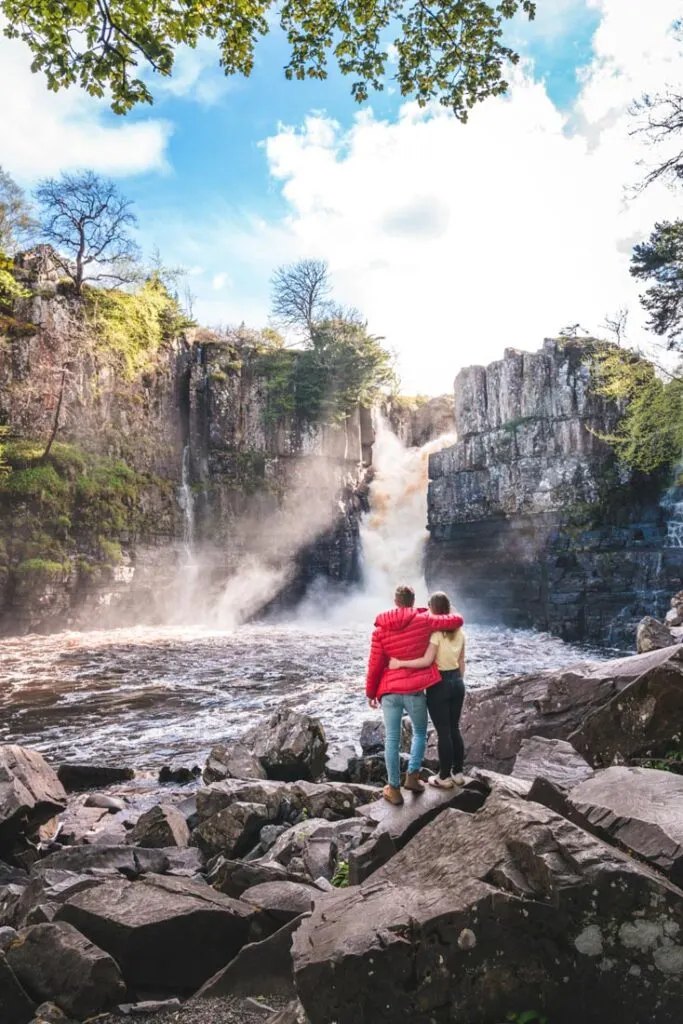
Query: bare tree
point(616, 324)
point(16, 220)
point(661, 121)
point(301, 295)
point(88, 221)
point(573, 330)
point(55, 422)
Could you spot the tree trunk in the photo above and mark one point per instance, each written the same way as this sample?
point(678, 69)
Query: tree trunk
point(55, 425)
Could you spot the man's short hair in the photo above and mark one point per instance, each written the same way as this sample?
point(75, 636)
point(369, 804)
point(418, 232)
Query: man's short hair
point(404, 596)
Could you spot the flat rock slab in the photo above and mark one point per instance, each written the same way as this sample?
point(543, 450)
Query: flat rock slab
point(167, 934)
point(259, 969)
point(129, 861)
point(513, 906)
point(78, 777)
point(404, 822)
point(554, 760)
point(55, 962)
point(283, 901)
point(640, 809)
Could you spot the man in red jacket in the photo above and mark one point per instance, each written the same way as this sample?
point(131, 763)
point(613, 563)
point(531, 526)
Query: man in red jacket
point(403, 633)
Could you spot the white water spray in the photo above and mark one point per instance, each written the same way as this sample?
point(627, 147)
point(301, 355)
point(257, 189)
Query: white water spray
point(186, 502)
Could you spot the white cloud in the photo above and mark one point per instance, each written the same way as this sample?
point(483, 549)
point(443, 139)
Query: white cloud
point(220, 281)
point(43, 133)
point(196, 75)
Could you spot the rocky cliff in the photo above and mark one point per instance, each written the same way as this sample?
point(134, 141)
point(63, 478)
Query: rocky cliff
point(531, 518)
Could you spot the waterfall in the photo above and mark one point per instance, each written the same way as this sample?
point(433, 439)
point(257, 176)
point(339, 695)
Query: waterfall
point(186, 502)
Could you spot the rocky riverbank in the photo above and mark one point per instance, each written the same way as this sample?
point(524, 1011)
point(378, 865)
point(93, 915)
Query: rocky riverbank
point(280, 887)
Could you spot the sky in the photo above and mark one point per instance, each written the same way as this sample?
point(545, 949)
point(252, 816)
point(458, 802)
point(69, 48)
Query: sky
point(455, 241)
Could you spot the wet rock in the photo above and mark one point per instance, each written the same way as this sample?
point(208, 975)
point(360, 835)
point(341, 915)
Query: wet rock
point(282, 901)
point(639, 809)
point(652, 635)
point(581, 704)
point(167, 934)
point(233, 877)
point(7, 935)
point(107, 803)
point(128, 861)
point(56, 962)
point(30, 793)
point(337, 767)
point(555, 760)
point(290, 746)
point(179, 775)
point(232, 762)
point(528, 908)
point(245, 975)
point(78, 777)
point(15, 1005)
point(161, 826)
point(372, 736)
point(232, 831)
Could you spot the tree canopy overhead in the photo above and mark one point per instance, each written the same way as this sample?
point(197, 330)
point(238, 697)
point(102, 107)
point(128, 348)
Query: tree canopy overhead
point(446, 50)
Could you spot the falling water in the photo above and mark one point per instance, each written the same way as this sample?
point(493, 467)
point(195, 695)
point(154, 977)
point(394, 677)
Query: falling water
point(186, 502)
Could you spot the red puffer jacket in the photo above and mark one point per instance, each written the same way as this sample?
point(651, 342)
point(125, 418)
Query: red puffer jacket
point(404, 633)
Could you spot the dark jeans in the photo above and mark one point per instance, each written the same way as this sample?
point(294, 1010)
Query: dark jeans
point(444, 702)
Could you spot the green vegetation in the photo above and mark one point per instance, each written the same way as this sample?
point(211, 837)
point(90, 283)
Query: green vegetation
point(133, 325)
point(649, 437)
point(452, 52)
point(660, 260)
point(72, 501)
point(671, 762)
point(527, 1017)
point(341, 876)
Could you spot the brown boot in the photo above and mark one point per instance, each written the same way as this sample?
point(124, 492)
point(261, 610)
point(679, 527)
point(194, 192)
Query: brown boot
point(393, 795)
point(413, 783)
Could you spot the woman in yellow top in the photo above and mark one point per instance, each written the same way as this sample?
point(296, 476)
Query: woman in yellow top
point(445, 699)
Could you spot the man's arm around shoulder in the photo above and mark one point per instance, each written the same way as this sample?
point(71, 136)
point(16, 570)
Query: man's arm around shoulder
point(377, 663)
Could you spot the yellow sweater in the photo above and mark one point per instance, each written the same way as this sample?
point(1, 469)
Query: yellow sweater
point(448, 651)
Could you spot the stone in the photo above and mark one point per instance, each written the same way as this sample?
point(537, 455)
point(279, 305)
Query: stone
point(30, 793)
point(78, 777)
point(220, 795)
point(282, 901)
point(269, 835)
point(107, 803)
point(582, 704)
point(49, 1013)
point(233, 877)
point(7, 936)
point(232, 762)
point(56, 962)
point(245, 976)
point(639, 809)
point(368, 770)
point(159, 827)
point(512, 907)
point(372, 736)
point(16, 1007)
point(42, 913)
point(293, 1013)
point(555, 760)
point(179, 775)
point(128, 861)
point(167, 934)
point(50, 887)
point(369, 856)
point(232, 831)
point(652, 635)
point(187, 862)
point(502, 783)
point(337, 766)
point(148, 1006)
point(290, 746)
point(9, 874)
point(11, 896)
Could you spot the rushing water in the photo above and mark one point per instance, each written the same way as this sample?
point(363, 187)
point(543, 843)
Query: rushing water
point(148, 696)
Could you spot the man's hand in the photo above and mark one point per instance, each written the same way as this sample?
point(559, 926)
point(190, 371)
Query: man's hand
point(373, 702)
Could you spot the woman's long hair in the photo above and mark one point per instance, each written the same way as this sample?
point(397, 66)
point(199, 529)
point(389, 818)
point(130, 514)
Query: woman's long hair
point(439, 604)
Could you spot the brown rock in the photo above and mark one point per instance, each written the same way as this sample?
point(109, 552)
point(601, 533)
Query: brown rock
point(15, 1005)
point(290, 746)
point(512, 907)
point(232, 762)
point(30, 793)
point(555, 760)
point(159, 827)
point(78, 777)
point(55, 962)
point(652, 635)
point(245, 975)
point(282, 901)
point(233, 877)
point(167, 934)
point(232, 832)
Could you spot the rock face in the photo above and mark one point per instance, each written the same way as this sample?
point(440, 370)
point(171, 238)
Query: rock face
point(554, 760)
point(160, 827)
point(165, 933)
point(640, 809)
point(652, 635)
point(290, 746)
point(514, 906)
point(55, 962)
point(30, 792)
point(623, 709)
point(524, 523)
point(15, 1005)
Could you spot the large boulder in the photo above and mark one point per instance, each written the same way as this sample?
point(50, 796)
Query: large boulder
point(233, 877)
point(159, 827)
point(554, 760)
point(167, 934)
point(232, 762)
point(639, 809)
point(55, 962)
point(512, 907)
point(127, 861)
point(232, 831)
point(282, 901)
point(245, 975)
point(30, 793)
point(52, 886)
point(16, 1006)
point(79, 777)
point(585, 704)
point(290, 746)
point(652, 635)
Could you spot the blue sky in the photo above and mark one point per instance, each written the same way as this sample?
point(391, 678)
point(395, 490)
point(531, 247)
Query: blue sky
point(508, 227)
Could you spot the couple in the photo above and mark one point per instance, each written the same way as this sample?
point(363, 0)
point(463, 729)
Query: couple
point(417, 662)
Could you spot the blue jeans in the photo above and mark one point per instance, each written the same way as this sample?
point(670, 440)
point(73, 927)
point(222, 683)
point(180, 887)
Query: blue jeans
point(393, 706)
